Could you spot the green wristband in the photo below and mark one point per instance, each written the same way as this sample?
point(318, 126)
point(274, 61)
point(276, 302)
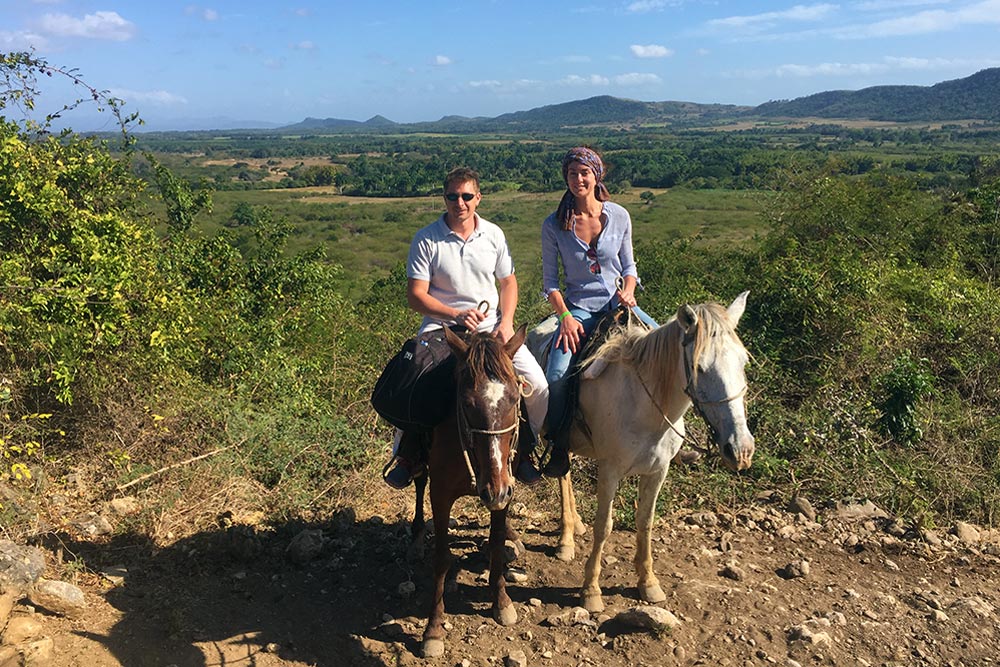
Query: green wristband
point(564, 316)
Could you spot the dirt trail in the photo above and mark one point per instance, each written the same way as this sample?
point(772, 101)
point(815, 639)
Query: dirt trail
point(754, 587)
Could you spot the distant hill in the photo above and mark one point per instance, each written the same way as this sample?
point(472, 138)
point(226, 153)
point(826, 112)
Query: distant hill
point(974, 97)
point(607, 110)
point(335, 124)
point(600, 110)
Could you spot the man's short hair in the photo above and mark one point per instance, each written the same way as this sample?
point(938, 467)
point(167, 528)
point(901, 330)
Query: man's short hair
point(462, 175)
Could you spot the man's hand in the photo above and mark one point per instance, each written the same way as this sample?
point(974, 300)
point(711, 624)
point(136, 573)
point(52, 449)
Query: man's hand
point(504, 331)
point(471, 318)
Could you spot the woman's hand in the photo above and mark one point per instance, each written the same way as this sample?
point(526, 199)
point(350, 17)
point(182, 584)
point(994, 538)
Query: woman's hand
point(627, 297)
point(626, 291)
point(570, 334)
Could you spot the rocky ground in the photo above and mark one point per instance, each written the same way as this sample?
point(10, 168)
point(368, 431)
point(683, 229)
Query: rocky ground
point(776, 582)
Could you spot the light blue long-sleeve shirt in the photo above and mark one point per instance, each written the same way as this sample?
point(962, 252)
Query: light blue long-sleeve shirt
point(584, 288)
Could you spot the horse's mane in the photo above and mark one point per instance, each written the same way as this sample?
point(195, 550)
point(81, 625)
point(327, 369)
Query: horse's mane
point(661, 347)
point(486, 360)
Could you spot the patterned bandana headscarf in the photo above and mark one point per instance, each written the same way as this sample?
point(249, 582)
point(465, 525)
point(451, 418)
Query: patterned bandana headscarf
point(589, 158)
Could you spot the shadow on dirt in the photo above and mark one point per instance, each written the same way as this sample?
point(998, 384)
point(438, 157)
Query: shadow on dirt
point(297, 592)
point(320, 594)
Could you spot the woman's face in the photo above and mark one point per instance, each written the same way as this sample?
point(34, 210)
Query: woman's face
point(580, 179)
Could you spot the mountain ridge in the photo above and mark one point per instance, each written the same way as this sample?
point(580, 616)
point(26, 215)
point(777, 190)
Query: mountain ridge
point(975, 97)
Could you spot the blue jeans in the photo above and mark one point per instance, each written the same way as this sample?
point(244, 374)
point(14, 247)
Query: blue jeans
point(559, 362)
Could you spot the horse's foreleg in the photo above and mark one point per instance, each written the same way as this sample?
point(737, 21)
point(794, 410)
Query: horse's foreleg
point(607, 486)
point(433, 643)
point(514, 537)
point(579, 527)
point(418, 528)
point(568, 520)
point(649, 489)
point(503, 609)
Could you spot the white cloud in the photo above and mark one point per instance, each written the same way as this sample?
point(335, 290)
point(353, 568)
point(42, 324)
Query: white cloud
point(800, 13)
point(929, 21)
point(934, 64)
point(643, 6)
point(21, 40)
point(883, 5)
point(650, 51)
point(205, 13)
point(157, 97)
point(302, 11)
point(830, 69)
point(887, 64)
point(99, 25)
point(637, 79)
point(305, 45)
point(442, 60)
point(506, 87)
point(592, 80)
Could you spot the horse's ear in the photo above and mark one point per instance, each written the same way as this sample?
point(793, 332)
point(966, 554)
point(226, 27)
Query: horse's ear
point(516, 341)
point(736, 308)
point(687, 318)
point(457, 345)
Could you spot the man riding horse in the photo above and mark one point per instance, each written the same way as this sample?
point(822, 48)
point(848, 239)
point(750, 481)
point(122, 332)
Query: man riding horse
point(455, 264)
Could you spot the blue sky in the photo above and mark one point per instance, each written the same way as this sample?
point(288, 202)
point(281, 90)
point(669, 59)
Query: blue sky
point(209, 65)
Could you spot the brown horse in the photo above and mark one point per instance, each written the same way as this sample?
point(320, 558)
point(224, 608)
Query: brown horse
point(472, 453)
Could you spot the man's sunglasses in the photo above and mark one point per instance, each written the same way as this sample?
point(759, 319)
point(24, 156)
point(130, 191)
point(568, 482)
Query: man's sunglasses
point(466, 196)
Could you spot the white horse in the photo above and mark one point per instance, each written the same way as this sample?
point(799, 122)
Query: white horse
point(633, 396)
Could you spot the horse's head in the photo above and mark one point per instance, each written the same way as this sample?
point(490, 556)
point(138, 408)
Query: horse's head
point(714, 359)
point(488, 411)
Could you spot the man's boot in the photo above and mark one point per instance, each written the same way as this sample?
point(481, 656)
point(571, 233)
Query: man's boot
point(558, 463)
point(526, 472)
point(409, 461)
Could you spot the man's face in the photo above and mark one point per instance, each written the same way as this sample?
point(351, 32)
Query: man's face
point(466, 198)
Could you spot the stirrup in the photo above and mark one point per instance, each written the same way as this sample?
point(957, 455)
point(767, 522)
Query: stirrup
point(527, 473)
point(558, 463)
point(399, 472)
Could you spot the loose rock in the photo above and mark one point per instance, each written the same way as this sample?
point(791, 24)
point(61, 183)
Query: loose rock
point(58, 597)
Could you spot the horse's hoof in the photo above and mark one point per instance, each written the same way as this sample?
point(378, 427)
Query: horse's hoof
point(432, 648)
point(506, 616)
point(580, 528)
point(566, 553)
point(652, 593)
point(592, 603)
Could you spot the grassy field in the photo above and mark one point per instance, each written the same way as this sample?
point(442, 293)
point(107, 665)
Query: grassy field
point(367, 236)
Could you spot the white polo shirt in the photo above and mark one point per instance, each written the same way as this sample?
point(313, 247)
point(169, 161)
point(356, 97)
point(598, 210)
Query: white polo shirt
point(462, 273)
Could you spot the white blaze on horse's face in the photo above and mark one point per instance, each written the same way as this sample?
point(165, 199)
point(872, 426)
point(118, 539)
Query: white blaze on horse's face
point(493, 395)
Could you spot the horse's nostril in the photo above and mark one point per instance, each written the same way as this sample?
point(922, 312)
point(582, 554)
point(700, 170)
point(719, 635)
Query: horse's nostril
point(728, 451)
point(485, 496)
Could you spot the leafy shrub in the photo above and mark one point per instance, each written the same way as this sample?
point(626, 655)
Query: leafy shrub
point(907, 381)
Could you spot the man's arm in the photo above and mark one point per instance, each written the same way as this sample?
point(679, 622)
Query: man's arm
point(508, 304)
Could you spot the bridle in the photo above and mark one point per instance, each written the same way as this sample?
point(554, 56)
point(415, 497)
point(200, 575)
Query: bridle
point(466, 433)
point(687, 344)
